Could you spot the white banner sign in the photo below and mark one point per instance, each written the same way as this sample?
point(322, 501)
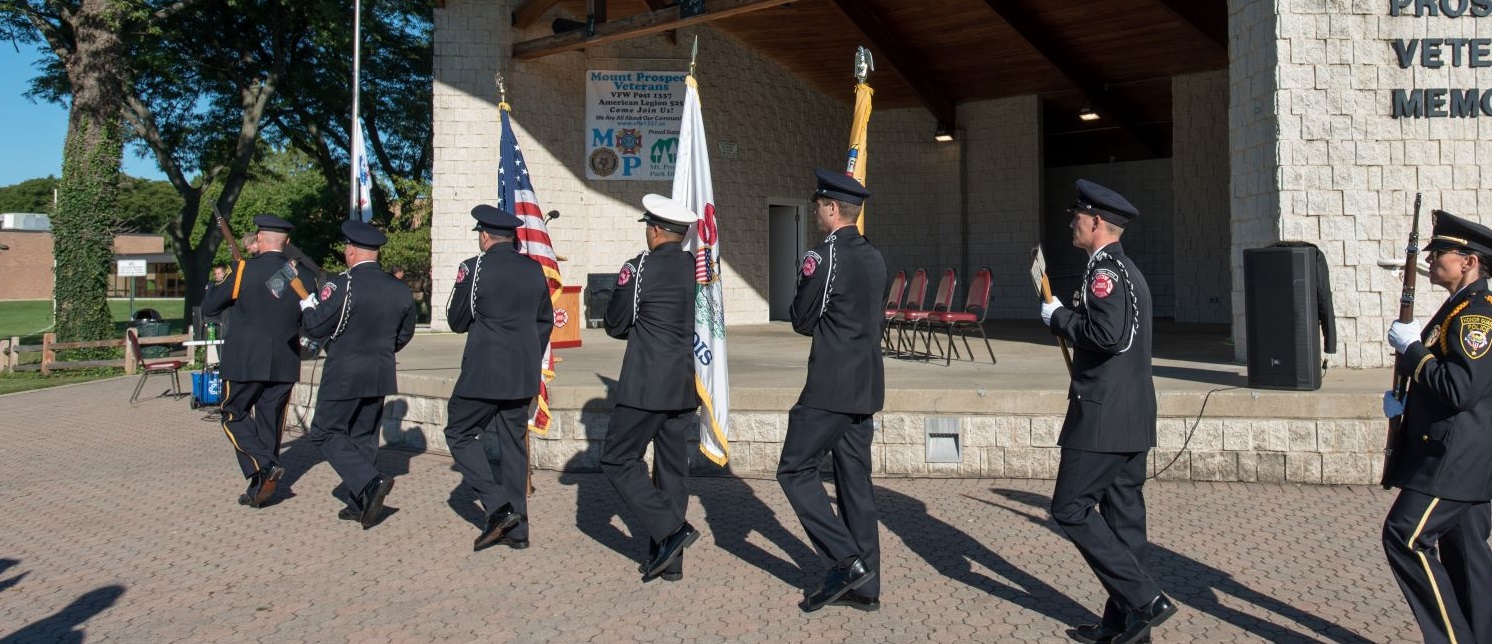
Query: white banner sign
point(132, 268)
point(632, 124)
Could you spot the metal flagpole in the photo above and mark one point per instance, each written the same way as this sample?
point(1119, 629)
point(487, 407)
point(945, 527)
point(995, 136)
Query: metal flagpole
point(357, 68)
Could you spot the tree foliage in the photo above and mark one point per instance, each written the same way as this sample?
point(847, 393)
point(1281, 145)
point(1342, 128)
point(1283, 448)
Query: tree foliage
point(216, 90)
point(144, 206)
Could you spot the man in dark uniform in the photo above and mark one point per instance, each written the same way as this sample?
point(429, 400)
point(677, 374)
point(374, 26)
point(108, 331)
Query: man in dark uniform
point(1099, 500)
point(841, 289)
point(261, 358)
point(502, 299)
point(652, 309)
point(1443, 460)
point(365, 316)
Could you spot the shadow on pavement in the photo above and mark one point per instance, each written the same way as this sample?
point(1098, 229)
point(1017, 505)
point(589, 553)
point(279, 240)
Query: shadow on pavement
point(6, 564)
point(733, 512)
point(1196, 585)
point(596, 501)
point(953, 552)
point(62, 627)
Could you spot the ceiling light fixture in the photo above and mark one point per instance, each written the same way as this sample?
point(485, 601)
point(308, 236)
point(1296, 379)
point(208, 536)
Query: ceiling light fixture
point(943, 133)
point(1087, 114)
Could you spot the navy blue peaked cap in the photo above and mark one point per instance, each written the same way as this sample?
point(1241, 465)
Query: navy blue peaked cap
point(840, 186)
point(1105, 203)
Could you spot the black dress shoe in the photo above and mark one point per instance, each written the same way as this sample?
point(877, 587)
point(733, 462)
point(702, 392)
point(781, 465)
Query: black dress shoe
point(1139, 621)
point(262, 486)
point(348, 514)
point(498, 524)
point(842, 579)
point(1100, 634)
point(372, 499)
point(858, 602)
point(516, 544)
point(669, 550)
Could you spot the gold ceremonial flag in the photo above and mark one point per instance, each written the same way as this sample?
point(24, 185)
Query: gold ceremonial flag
point(858, 161)
point(858, 158)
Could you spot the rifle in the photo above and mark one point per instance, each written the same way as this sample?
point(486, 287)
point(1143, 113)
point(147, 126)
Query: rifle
point(1406, 315)
point(295, 283)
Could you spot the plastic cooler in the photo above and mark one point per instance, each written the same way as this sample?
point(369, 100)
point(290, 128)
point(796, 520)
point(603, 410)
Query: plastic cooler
point(207, 388)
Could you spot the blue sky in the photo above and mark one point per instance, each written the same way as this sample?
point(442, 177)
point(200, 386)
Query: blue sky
point(33, 132)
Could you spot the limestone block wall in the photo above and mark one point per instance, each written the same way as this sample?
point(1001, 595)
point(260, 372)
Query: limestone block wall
point(1002, 167)
point(1318, 156)
point(1341, 446)
point(1199, 186)
point(780, 127)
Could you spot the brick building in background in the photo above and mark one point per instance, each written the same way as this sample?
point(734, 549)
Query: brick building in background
point(26, 266)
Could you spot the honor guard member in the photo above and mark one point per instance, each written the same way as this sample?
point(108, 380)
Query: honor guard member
point(652, 309)
point(364, 316)
point(1110, 426)
point(841, 290)
point(501, 300)
point(1436, 533)
point(261, 358)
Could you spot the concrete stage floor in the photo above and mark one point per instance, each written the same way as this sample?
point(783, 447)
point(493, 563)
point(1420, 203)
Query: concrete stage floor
point(768, 364)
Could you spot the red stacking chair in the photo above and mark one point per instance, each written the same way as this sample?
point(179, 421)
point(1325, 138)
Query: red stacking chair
point(894, 297)
point(942, 302)
point(976, 307)
point(916, 295)
point(149, 366)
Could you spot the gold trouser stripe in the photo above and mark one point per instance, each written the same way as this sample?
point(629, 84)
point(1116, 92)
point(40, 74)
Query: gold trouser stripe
point(1425, 562)
point(237, 279)
point(1421, 365)
point(228, 416)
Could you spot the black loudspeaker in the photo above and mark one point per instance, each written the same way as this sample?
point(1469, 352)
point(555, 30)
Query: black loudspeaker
point(1284, 350)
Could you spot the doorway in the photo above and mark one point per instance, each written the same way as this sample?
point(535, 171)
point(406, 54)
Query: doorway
point(787, 225)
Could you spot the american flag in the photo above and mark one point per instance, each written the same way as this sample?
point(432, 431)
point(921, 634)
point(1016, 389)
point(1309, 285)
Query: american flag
point(516, 195)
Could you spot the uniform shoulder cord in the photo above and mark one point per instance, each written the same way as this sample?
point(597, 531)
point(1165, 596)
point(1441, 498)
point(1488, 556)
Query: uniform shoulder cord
point(637, 286)
point(346, 308)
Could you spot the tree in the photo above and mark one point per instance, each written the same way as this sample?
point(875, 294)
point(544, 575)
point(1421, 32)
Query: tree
point(31, 195)
point(86, 37)
point(144, 206)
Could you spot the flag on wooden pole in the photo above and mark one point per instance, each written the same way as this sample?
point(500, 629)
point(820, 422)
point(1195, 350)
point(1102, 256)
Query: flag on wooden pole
point(516, 195)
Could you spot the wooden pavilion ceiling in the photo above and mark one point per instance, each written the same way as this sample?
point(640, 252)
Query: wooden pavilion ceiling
point(1114, 56)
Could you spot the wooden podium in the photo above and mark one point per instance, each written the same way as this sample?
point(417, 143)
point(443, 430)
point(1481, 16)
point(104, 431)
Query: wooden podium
point(568, 319)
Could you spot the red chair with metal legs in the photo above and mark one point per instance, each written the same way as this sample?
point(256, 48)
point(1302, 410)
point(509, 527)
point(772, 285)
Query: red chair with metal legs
point(149, 366)
point(916, 295)
point(976, 308)
point(894, 297)
point(942, 302)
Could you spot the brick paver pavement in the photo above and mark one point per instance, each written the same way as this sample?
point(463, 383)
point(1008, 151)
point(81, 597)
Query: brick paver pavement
point(120, 526)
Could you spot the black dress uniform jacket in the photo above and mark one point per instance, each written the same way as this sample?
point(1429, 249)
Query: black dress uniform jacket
point(840, 299)
point(366, 315)
point(501, 300)
point(1111, 402)
point(1445, 448)
point(264, 313)
point(652, 309)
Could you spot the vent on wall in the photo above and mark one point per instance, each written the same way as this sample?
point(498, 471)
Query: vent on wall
point(944, 439)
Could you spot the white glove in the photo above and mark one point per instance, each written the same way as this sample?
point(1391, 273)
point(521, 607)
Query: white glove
point(1402, 334)
point(1048, 308)
point(309, 302)
point(1392, 407)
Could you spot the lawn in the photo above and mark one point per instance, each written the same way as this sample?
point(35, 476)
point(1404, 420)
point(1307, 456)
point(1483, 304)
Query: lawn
point(25, 381)
point(30, 318)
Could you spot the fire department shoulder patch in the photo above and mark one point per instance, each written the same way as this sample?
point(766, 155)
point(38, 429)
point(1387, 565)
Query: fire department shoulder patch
point(624, 276)
point(1103, 282)
point(1476, 335)
point(327, 290)
point(461, 273)
point(811, 263)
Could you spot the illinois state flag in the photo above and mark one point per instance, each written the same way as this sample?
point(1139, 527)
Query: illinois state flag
point(516, 195)
point(692, 187)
